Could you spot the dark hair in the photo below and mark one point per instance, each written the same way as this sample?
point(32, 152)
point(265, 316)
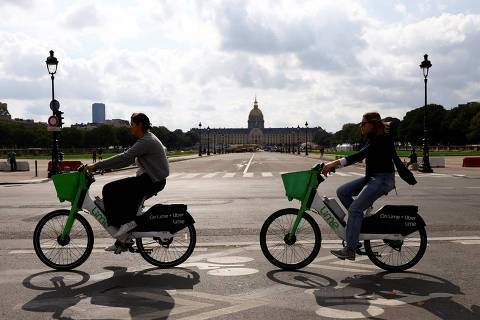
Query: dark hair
point(376, 120)
point(140, 117)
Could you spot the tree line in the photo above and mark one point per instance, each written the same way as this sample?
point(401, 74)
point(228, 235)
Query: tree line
point(457, 126)
point(20, 136)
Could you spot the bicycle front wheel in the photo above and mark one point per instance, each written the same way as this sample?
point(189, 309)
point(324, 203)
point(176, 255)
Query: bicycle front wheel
point(64, 254)
point(168, 253)
point(295, 253)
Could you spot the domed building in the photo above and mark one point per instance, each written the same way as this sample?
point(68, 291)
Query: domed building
point(255, 118)
point(255, 134)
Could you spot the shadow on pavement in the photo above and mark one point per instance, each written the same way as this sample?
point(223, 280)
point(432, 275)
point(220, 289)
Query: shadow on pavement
point(369, 296)
point(133, 294)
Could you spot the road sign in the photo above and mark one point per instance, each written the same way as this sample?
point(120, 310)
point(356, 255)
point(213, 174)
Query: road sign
point(54, 129)
point(53, 121)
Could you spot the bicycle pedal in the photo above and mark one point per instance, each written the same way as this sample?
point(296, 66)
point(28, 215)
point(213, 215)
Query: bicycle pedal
point(360, 252)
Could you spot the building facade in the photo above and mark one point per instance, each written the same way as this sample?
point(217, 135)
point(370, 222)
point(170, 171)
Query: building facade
point(255, 133)
point(98, 113)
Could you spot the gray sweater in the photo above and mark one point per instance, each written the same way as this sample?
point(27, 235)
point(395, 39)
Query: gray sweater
point(150, 154)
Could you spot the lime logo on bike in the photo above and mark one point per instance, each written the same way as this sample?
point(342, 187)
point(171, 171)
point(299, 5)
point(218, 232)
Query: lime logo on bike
point(328, 217)
point(100, 217)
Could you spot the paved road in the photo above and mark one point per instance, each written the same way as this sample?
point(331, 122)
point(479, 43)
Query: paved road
point(227, 277)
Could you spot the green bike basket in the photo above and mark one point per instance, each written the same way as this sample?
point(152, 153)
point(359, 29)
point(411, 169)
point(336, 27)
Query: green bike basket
point(296, 184)
point(66, 185)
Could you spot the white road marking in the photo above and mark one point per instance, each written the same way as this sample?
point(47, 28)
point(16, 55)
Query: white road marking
point(468, 241)
point(341, 174)
point(232, 272)
point(229, 175)
point(356, 173)
point(267, 174)
point(472, 187)
point(248, 165)
point(173, 175)
point(230, 259)
point(190, 175)
point(211, 175)
point(248, 175)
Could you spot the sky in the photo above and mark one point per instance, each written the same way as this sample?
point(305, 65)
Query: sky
point(185, 62)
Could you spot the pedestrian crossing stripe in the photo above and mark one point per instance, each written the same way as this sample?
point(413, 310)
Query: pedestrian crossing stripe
point(211, 175)
point(267, 174)
point(342, 174)
point(229, 174)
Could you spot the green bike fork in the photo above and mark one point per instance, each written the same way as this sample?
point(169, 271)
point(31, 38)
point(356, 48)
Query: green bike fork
point(302, 209)
point(64, 238)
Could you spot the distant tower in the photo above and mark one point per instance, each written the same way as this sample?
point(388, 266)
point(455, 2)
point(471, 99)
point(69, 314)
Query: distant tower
point(98, 113)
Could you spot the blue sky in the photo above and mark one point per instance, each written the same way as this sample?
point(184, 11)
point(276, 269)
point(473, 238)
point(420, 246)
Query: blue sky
point(181, 62)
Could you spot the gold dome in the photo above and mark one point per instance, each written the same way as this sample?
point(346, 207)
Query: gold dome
point(255, 118)
point(255, 111)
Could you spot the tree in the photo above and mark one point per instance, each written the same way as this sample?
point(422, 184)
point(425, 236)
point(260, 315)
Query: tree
point(72, 138)
point(411, 128)
point(474, 129)
point(459, 121)
point(322, 137)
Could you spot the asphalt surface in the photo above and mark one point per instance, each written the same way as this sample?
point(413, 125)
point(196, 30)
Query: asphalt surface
point(228, 277)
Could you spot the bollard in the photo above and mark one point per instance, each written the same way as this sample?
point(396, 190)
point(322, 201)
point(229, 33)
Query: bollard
point(36, 169)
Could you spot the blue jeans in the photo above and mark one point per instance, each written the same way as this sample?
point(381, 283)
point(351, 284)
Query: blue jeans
point(373, 188)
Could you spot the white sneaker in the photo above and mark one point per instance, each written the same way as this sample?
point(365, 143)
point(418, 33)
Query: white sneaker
point(113, 247)
point(124, 228)
point(119, 246)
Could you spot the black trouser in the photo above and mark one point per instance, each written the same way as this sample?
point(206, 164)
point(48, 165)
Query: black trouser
point(122, 197)
point(13, 165)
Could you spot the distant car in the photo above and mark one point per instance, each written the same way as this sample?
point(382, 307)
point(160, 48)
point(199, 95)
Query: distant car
point(344, 147)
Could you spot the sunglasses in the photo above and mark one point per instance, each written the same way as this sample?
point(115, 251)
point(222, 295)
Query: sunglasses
point(364, 123)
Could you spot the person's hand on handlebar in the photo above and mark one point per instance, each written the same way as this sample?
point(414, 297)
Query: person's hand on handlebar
point(329, 166)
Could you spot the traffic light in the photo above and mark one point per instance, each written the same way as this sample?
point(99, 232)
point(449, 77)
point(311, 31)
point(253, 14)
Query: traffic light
point(59, 114)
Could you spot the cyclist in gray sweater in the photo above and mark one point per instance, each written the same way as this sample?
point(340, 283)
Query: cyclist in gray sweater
point(122, 197)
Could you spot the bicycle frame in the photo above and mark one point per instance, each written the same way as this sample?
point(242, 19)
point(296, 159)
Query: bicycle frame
point(83, 201)
point(315, 202)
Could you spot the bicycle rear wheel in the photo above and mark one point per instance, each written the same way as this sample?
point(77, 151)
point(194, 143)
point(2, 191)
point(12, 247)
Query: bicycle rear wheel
point(69, 253)
point(169, 253)
point(298, 252)
point(397, 255)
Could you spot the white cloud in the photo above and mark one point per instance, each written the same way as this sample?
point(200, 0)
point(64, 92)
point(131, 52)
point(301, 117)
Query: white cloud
point(184, 62)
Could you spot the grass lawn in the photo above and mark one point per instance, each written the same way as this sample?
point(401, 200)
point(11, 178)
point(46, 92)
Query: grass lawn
point(105, 155)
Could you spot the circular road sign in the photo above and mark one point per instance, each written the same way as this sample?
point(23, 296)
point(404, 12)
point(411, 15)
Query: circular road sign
point(53, 121)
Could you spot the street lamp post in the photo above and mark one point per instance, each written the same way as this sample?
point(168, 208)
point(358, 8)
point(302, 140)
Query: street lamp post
point(52, 64)
point(425, 167)
point(298, 139)
point(208, 140)
point(306, 138)
point(200, 143)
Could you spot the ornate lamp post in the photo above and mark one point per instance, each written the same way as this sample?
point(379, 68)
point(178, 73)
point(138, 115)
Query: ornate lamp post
point(52, 64)
point(200, 143)
point(306, 138)
point(425, 167)
point(208, 140)
point(298, 139)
